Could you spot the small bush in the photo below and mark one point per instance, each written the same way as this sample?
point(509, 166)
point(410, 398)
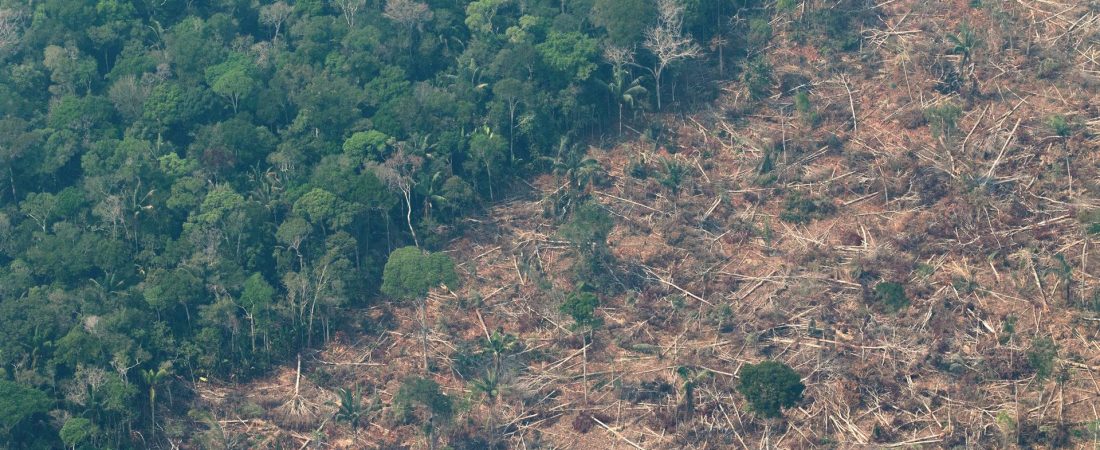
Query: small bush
point(799, 208)
point(1041, 356)
point(758, 78)
point(770, 386)
point(806, 109)
point(890, 296)
point(943, 119)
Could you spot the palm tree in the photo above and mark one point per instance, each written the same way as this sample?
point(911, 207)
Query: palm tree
point(489, 385)
point(575, 165)
point(691, 376)
point(625, 94)
point(964, 43)
point(152, 379)
point(351, 409)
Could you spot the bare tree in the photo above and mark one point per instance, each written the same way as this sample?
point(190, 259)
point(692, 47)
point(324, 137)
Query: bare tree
point(397, 172)
point(275, 15)
point(128, 95)
point(10, 25)
point(409, 13)
point(667, 41)
point(350, 8)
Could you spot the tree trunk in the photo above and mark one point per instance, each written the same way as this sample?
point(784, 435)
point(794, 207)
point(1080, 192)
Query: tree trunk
point(584, 368)
point(489, 172)
point(424, 332)
point(408, 214)
point(657, 80)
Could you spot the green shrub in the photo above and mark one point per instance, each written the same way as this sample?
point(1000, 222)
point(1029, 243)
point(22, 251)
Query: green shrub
point(770, 386)
point(806, 109)
point(943, 119)
point(890, 296)
point(674, 174)
point(758, 78)
point(1041, 356)
point(800, 208)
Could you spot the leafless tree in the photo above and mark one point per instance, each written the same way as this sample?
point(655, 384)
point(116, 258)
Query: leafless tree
point(397, 172)
point(10, 25)
point(618, 56)
point(275, 15)
point(667, 41)
point(128, 95)
point(409, 13)
point(350, 8)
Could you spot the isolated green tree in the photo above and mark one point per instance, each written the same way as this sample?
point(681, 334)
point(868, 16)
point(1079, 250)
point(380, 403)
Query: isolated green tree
point(409, 275)
point(770, 386)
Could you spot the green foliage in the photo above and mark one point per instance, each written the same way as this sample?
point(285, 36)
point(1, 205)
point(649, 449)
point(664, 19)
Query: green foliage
point(757, 77)
point(943, 119)
point(572, 54)
point(769, 387)
point(673, 174)
point(835, 28)
point(78, 432)
point(890, 296)
point(588, 228)
point(371, 144)
point(801, 208)
point(805, 109)
point(1060, 126)
point(760, 32)
point(581, 306)
point(18, 405)
point(351, 408)
point(624, 20)
point(964, 42)
point(410, 273)
point(1041, 355)
point(199, 182)
point(423, 392)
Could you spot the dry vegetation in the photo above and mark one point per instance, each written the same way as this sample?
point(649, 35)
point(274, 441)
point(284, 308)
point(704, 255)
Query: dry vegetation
point(985, 225)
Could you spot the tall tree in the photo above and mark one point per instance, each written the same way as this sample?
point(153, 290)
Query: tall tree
point(410, 274)
point(275, 15)
point(668, 42)
point(10, 30)
point(397, 172)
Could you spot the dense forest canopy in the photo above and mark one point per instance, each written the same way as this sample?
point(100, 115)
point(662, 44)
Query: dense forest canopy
point(197, 189)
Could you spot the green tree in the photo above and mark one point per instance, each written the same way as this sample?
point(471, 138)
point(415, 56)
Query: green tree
point(1041, 355)
point(487, 150)
point(624, 20)
point(626, 92)
point(153, 379)
point(770, 386)
point(79, 432)
point(409, 274)
point(18, 406)
point(573, 54)
point(234, 84)
point(256, 300)
point(371, 145)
